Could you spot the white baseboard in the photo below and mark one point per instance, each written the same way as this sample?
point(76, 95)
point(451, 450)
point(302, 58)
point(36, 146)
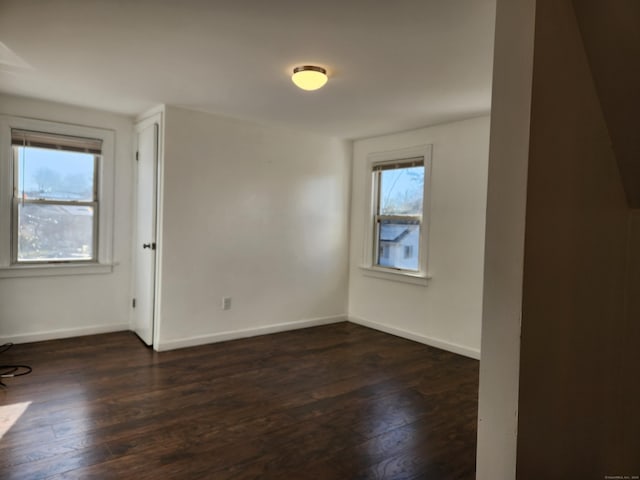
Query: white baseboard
point(416, 337)
point(64, 333)
point(163, 346)
point(248, 332)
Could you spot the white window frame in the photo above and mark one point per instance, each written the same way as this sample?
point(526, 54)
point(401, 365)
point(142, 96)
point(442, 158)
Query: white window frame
point(368, 266)
point(103, 262)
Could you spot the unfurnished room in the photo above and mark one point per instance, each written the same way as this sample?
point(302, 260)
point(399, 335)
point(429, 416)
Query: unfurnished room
point(333, 240)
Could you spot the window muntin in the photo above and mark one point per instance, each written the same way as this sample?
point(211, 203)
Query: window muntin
point(397, 214)
point(55, 200)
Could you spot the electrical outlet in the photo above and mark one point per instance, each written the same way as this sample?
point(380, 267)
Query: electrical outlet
point(226, 303)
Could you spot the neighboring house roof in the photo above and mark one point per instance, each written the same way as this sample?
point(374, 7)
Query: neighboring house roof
point(393, 233)
point(74, 210)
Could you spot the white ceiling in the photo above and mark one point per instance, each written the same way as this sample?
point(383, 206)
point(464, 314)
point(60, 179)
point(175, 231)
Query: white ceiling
point(393, 64)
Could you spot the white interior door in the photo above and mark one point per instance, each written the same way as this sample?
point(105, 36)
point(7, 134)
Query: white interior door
point(145, 241)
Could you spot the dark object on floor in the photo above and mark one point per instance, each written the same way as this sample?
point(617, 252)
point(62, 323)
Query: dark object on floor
point(8, 371)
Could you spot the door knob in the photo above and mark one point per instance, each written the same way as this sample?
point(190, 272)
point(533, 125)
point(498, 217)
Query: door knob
point(152, 246)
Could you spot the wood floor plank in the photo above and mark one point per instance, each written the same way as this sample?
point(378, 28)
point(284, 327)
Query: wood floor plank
point(334, 402)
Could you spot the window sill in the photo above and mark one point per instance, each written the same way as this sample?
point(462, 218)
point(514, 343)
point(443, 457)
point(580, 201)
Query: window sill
point(404, 277)
point(16, 271)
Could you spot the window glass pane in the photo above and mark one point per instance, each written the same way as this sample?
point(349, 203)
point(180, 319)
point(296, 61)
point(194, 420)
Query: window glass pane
point(398, 244)
point(401, 191)
point(54, 232)
point(55, 174)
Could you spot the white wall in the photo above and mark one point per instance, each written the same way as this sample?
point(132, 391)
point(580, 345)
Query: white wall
point(504, 255)
point(447, 312)
point(256, 213)
point(35, 308)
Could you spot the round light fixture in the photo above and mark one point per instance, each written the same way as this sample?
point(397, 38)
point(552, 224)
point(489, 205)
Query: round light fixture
point(309, 77)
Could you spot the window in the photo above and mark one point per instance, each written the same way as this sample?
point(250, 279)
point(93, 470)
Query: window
point(55, 198)
point(397, 239)
point(398, 193)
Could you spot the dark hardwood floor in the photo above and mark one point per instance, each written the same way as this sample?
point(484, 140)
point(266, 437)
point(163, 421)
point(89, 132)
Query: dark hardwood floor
point(332, 402)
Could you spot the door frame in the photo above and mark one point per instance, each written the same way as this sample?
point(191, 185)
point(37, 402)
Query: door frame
point(155, 115)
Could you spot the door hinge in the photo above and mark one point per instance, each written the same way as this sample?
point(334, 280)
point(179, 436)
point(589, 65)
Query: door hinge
point(137, 156)
point(133, 304)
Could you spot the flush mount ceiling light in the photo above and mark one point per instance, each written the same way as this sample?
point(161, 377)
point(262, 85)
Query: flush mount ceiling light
point(309, 77)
